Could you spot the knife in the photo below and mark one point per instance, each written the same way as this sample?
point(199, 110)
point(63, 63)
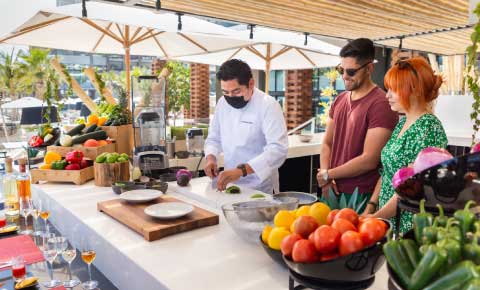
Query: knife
point(214, 182)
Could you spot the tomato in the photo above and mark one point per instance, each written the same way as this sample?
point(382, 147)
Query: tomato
point(305, 225)
point(331, 216)
point(326, 239)
point(372, 231)
point(348, 214)
point(311, 237)
point(343, 225)
point(304, 252)
point(350, 242)
point(328, 256)
point(287, 243)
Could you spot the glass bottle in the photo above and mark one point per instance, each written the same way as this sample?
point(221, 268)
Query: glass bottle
point(10, 189)
point(23, 181)
point(136, 173)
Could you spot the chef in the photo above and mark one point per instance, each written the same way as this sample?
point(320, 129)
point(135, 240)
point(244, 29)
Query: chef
point(249, 128)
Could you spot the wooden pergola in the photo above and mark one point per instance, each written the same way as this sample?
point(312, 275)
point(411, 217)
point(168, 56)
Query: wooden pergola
point(437, 26)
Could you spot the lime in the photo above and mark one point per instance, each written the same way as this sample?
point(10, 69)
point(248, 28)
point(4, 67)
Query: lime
point(111, 159)
point(124, 155)
point(100, 159)
point(257, 195)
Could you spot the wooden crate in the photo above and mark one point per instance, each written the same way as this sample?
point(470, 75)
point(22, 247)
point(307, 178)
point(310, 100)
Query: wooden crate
point(88, 152)
point(108, 173)
point(76, 176)
point(132, 216)
point(123, 136)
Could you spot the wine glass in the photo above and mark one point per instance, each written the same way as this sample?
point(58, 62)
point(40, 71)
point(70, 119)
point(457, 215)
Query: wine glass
point(49, 249)
point(44, 213)
point(35, 214)
point(26, 207)
point(69, 254)
point(88, 256)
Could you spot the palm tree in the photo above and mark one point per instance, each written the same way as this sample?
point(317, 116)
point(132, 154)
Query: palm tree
point(35, 68)
point(9, 73)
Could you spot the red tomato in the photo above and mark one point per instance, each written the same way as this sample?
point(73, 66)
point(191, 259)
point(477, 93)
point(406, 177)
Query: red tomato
point(343, 225)
point(326, 239)
point(372, 231)
point(350, 242)
point(287, 243)
point(328, 256)
point(311, 238)
point(348, 214)
point(304, 252)
point(331, 216)
point(305, 225)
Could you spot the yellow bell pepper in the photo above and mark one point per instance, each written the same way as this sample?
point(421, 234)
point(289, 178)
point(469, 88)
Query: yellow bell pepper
point(46, 166)
point(101, 121)
point(51, 156)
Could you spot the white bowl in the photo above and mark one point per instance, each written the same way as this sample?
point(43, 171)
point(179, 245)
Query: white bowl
point(305, 138)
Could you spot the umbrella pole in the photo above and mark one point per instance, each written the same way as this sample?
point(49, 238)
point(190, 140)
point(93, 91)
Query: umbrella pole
point(127, 73)
point(267, 68)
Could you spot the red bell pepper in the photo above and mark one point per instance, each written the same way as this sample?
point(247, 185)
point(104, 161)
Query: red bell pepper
point(74, 157)
point(74, 166)
point(35, 141)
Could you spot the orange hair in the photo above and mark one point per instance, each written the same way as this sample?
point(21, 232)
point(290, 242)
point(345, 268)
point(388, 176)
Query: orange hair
point(414, 81)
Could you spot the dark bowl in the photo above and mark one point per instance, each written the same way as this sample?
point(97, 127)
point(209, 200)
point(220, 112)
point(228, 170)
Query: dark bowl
point(158, 185)
point(303, 197)
point(451, 183)
point(128, 185)
point(182, 154)
point(276, 255)
point(356, 267)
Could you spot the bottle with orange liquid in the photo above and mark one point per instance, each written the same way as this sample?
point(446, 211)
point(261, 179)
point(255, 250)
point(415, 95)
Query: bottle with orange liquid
point(23, 181)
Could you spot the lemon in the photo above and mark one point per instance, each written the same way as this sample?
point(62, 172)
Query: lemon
point(303, 210)
point(276, 236)
point(319, 211)
point(266, 232)
point(291, 227)
point(284, 218)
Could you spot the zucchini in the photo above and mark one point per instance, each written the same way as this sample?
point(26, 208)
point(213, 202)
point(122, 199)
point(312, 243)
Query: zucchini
point(108, 123)
point(98, 129)
point(76, 130)
point(97, 135)
point(91, 128)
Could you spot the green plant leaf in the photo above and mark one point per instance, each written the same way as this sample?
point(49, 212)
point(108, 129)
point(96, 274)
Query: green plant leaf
point(353, 200)
point(343, 201)
point(333, 199)
point(360, 205)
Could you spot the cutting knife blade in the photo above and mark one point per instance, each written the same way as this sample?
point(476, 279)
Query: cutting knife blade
point(214, 182)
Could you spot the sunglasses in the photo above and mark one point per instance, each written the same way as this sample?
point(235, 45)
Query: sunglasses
point(350, 71)
point(404, 64)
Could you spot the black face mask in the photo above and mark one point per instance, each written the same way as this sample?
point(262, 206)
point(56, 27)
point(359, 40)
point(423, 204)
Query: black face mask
point(236, 102)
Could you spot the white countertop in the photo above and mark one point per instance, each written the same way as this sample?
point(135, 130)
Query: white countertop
point(208, 258)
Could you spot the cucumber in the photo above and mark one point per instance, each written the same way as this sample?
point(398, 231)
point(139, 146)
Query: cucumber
point(108, 123)
point(91, 128)
point(98, 129)
point(76, 130)
point(97, 135)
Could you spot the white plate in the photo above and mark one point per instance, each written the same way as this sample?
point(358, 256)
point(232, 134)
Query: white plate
point(168, 210)
point(140, 195)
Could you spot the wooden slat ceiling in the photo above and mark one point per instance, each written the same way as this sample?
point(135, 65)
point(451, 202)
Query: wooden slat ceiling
point(375, 19)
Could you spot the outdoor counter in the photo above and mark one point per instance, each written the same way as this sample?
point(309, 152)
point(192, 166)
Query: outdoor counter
point(208, 258)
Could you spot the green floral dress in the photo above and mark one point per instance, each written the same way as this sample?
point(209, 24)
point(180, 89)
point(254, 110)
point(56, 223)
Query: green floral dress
point(427, 131)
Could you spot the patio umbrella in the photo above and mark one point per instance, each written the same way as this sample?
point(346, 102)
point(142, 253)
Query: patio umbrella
point(274, 50)
point(25, 102)
point(115, 29)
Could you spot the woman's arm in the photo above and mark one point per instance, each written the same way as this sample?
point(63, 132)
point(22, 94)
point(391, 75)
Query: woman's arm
point(388, 210)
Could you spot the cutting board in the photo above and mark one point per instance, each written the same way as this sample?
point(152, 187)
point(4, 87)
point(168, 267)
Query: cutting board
point(152, 229)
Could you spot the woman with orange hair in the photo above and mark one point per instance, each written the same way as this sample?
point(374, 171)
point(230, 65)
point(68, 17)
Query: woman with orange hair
point(412, 86)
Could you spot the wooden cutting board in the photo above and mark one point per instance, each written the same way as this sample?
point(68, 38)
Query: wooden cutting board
point(152, 229)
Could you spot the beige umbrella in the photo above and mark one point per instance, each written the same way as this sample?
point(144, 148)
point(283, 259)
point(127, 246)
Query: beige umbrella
point(115, 29)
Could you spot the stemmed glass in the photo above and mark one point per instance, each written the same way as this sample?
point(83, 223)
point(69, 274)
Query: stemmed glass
point(50, 252)
point(44, 213)
point(69, 254)
point(36, 214)
point(26, 207)
point(88, 256)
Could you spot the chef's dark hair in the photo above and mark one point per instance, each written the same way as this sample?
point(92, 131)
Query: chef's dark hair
point(235, 69)
point(361, 49)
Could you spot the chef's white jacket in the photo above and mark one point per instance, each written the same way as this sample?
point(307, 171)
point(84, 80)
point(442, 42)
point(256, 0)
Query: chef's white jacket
point(255, 134)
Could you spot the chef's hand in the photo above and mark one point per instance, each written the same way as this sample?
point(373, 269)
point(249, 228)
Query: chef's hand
point(326, 189)
point(211, 168)
point(321, 182)
point(227, 176)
